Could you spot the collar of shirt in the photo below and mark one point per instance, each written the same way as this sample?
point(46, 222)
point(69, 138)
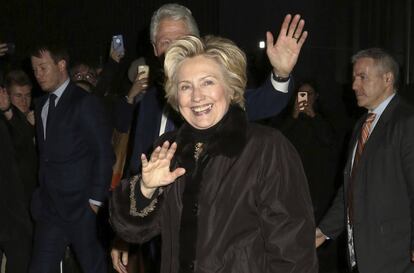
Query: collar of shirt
point(58, 92)
point(379, 110)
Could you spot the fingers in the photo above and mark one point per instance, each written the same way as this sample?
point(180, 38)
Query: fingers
point(124, 258)
point(285, 25)
point(144, 160)
point(178, 172)
point(302, 39)
point(117, 264)
point(269, 39)
point(298, 28)
point(161, 152)
point(293, 26)
point(3, 49)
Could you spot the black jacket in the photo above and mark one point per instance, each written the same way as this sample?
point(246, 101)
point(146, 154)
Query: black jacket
point(253, 210)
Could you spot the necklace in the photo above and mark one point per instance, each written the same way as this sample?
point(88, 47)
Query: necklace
point(198, 149)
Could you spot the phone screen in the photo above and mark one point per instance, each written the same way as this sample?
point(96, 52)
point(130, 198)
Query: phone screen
point(118, 44)
point(145, 69)
point(302, 96)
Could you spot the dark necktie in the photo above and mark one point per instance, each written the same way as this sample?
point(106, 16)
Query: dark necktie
point(51, 110)
point(363, 137)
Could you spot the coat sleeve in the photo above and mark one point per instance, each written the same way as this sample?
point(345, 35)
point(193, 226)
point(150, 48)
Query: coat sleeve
point(96, 129)
point(333, 223)
point(285, 210)
point(407, 159)
point(266, 101)
point(134, 218)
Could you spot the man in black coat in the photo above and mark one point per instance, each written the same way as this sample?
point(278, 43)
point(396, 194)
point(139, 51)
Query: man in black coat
point(376, 202)
point(75, 166)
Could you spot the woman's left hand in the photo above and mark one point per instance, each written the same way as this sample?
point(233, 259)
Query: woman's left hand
point(284, 54)
point(156, 172)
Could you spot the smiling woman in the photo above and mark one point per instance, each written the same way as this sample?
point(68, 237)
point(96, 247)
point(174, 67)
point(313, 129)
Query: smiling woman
point(227, 196)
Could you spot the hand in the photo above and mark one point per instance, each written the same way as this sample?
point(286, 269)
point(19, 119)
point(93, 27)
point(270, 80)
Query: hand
point(320, 238)
point(284, 54)
point(4, 99)
point(31, 117)
point(308, 109)
point(3, 49)
point(119, 255)
point(115, 55)
point(139, 86)
point(156, 172)
point(94, 208)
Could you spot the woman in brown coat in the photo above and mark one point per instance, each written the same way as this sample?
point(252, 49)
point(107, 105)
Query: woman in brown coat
point(226, 195)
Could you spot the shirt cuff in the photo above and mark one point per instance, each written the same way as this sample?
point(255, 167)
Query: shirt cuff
point(96, 203)
point(280, 86)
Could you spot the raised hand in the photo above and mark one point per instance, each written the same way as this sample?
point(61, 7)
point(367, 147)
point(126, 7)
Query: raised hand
point(284, 54)
point(4, 99)
point(156, 172)
point(139, 86)
point(31, 117)
point(3, 49)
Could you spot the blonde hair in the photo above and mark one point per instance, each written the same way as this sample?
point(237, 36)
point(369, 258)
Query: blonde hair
point(224, 52)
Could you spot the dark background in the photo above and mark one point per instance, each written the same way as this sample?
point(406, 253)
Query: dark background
point(337, 29)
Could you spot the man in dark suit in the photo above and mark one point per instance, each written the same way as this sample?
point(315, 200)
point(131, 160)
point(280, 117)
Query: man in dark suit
point(75, 166)
point(376, 202)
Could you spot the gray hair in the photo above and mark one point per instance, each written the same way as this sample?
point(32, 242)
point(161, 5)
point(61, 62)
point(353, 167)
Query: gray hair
point(383, 60)
point(175, 12)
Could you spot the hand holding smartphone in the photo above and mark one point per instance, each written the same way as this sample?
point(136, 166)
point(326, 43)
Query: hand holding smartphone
point(118, 44)
point(144, 69)
point(302, 97)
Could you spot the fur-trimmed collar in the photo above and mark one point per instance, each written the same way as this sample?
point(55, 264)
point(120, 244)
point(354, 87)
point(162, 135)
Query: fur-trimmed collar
point(228, 139)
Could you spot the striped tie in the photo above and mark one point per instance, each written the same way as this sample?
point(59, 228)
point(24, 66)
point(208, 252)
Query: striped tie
point(363, 137)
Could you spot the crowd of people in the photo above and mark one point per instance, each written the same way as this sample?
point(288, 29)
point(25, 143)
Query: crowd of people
point(176, 174)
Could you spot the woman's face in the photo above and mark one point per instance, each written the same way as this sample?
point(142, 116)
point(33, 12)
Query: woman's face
point(202, 96)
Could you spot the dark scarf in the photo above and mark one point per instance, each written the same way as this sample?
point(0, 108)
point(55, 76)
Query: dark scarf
point(198, 147)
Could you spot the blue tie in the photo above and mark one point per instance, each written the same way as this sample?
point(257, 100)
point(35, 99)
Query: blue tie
point(51, 110)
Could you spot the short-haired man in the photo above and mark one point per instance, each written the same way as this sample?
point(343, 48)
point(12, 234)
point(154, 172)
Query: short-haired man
point(376, 202)
point(75, 166)
point(15, 104)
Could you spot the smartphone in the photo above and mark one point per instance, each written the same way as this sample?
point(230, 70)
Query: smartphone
point(118, 44)
point(145, 69)
point(302, 96)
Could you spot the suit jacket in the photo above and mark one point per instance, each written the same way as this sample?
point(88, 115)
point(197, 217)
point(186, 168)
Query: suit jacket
point(75, 159)
point(383, 198)
point(262, 102)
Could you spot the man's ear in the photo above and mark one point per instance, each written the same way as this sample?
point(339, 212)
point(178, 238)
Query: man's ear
point(155, 50)
point(62, 65)
point(389, 78)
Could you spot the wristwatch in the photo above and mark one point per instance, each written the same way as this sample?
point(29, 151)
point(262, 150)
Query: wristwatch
point(280, 79)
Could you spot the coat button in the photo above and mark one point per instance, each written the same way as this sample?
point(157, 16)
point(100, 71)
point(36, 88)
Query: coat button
point(195, 208)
